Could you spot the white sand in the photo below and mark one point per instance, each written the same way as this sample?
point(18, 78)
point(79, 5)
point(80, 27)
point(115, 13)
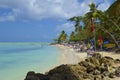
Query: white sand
point(70, 56)
point(111, 54)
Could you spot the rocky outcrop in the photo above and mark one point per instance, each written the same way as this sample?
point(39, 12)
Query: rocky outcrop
point(93, 68)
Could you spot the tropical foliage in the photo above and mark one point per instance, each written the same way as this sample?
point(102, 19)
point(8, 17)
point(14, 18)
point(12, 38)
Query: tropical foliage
point(105, 24)
point(62, 37)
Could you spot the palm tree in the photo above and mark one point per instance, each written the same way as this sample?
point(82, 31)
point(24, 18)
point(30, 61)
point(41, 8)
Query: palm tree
point(94, 14)
point(105, 27)
point(62, 37)
point(72, 36)
point(78, 27)
point(111, 22)
point(77, 20)
point(111, 29)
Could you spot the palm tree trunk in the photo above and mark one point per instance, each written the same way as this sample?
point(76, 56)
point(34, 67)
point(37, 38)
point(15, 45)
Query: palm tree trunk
point(115, 24)
point(116, 42)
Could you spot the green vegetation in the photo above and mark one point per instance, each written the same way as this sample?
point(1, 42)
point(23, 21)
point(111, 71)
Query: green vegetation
point(62, 37)
point(106, 24)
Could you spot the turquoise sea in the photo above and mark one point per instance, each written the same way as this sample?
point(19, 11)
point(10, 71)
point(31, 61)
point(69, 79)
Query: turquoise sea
point(16, 59)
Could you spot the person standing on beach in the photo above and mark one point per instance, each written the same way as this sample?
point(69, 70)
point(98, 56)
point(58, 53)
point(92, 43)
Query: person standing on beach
point(89, 45)
point(90, 52)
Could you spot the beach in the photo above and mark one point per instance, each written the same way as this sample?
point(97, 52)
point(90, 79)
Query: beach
point(70, 56)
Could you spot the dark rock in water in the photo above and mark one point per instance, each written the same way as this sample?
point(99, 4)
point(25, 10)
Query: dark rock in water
point(42, 76)
point(67, 72)
point(62, 77)
point(33, 76)
point(117, 72)
point(30, 76)
point(60, 69)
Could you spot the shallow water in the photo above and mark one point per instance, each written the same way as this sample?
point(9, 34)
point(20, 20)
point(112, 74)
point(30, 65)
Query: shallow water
point(16, 59)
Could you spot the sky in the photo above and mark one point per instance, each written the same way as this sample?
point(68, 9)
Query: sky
point(41, 20)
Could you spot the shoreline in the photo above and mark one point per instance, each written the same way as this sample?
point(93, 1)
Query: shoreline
point(69, 53)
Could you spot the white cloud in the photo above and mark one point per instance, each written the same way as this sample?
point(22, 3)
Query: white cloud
point(7, 18)
point(41, 9)
point(104, 5)
point(67, 27)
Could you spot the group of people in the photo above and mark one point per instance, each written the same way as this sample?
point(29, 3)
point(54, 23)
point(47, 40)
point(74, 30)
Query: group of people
point(82, 47)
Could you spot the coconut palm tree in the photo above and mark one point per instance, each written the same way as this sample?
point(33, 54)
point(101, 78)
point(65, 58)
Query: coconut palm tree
point(104, 20)
point(78, 27)
point(62, 37)
point(111, 22)
point(77, 20)
point(72, 36)
point(94, 14)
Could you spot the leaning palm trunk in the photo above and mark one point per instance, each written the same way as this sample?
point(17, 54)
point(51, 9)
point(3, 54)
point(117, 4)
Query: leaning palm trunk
point(116, 42)
point(115, 25)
